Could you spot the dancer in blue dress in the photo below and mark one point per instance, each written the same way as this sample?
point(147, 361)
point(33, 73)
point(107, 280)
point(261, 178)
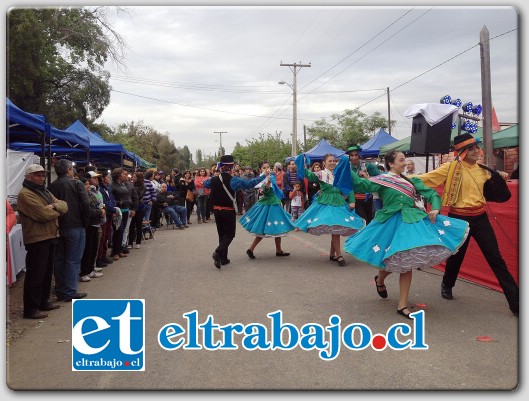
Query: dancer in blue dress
point(332, 212)
point(403, 236)
point(267, 218)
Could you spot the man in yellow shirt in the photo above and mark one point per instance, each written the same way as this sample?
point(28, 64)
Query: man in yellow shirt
point(463, 181)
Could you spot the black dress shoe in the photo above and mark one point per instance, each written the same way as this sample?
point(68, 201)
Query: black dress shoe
point(216, 260)
point(49, 306)
point(384, 292)
point(250, 254)
point(77, 295)
point(446, 292)
point(108, 260)
point(282, 253)
point(36, 315)
point(225, 262)
point(401, 312)
point(100, 263)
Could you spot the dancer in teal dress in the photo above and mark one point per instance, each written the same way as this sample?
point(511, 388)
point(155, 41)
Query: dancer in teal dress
point(332, 212)
point(403, 236)
point(267, 218)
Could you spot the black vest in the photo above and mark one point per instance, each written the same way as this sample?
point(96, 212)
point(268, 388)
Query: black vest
point(218, 195)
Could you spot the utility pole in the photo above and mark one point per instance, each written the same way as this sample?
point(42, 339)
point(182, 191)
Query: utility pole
point(389, 112)
point(304, 138)
point(486, 97)
point(293, 67)
point(220, 135)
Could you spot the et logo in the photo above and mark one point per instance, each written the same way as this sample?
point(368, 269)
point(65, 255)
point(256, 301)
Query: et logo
point(108, 334)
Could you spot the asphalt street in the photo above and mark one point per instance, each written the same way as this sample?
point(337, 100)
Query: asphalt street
point(472, 341)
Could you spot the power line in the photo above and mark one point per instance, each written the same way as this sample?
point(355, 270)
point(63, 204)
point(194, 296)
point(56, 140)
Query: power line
point(349, 55)
point(195, 107)
point(372, 50)
point(212, 88)
point(433, 68)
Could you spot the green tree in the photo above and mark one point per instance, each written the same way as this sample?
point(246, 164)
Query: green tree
point(376, 121)
point(168, 154)
point(270, 148)
point(198, 157)
point(350, 127)
point(55, 58)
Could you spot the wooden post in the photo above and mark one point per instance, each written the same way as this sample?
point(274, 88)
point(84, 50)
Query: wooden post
point(486, 101)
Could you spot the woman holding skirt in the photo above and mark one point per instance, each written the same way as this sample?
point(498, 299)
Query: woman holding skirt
point(332, 211)
point(267, 218)
point(403, 236)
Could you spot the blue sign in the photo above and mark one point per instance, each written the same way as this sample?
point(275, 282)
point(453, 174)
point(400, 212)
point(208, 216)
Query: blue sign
point(108, 334)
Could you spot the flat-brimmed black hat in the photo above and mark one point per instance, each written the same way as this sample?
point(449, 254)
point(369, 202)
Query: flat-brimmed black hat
point(226, 159)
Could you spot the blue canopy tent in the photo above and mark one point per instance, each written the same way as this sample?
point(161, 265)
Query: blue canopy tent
point(28, 130)
point(23, 127)
point(372, 147)
point(321, 149)
point(101, 149)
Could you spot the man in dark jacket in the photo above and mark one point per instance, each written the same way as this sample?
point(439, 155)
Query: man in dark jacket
point(72, 231)
point(222, 197)
point(39, 211)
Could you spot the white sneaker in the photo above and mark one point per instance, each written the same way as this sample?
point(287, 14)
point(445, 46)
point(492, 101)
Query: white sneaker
point(95, 274)
point(129, 246)
point(84, 279)
point(137, 246)
point(98, 269)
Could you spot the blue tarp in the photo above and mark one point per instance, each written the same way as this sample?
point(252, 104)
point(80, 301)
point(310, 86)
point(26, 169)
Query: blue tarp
point(100, 150)
point(372, 147)
point(98, 145)
point(321, 149)
point(30, 128)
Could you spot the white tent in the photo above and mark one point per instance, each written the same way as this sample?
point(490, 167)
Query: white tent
point(16, 165)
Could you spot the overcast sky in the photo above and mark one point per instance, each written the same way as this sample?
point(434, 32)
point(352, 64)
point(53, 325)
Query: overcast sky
point(191, 71)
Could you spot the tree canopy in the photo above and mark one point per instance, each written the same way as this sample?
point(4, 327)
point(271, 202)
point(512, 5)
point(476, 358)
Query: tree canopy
point(56, 57)
point(350, 127)
point(270, 148)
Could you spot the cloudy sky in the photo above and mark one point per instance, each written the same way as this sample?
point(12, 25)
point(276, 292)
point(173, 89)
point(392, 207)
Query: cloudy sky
point(191, 71)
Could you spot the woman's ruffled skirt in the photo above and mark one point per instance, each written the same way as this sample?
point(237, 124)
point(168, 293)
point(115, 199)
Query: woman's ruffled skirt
point(267, 221)
point(400, 247)
point(321, 219)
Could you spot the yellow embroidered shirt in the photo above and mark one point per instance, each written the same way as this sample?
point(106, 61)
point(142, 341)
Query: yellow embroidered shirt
point(471, 190)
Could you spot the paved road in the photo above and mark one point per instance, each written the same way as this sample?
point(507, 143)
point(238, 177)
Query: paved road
point(174, 273)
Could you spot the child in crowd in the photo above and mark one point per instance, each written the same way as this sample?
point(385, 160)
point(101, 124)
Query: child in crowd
point(297, 198)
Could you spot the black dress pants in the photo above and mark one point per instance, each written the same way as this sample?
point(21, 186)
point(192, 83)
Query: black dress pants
point(39, 271)
point(225, 222)
point(364, 208)
point(483, 233)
